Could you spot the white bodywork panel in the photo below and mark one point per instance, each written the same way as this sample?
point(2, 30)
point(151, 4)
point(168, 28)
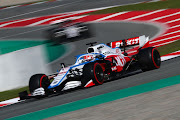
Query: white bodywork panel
point(143, 40)
point(104, 49)
point(62, 75)
point(38, 91)
point(71, 84)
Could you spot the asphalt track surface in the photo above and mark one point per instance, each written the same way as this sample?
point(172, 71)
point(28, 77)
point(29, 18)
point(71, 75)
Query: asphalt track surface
point(168, 69)
point(56, 7)
point(104, 33)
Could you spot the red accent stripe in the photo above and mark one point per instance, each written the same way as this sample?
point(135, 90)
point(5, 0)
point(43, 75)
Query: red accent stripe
point(128, 15)
point(90, 84)
point(172, 30)
point(41, 80)
point(1, 105)
point(49, 21)
point(95, 74)
point(174, 23)
point(26, 4)
point(165, 41)
point(92, 17)
point(169, 18)
point(153, 59)
point(168, 36)
point(158, 14)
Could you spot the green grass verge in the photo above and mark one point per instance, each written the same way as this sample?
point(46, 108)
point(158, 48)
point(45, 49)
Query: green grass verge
point(172, 47)
point(11, 93)
point(143, 6)
point(10, 46)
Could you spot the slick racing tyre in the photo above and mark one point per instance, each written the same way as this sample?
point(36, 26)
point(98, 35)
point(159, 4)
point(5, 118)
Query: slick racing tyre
point(93, 71)
point(38, 81)
point(149, 58)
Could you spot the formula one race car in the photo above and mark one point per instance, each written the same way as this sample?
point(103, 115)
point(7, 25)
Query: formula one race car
point(103, 62)
point(63, 30)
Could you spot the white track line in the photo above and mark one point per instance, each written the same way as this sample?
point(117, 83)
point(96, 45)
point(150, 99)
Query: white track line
point(165, 43)
point(11, 7)
point(5, 24)
point(11, 101)
point(164, 39)
point(37, 3)
point(172, 21)
point(110, 16)
point(45, 20)
point(158, 18)
point(163, 58)
point(146, 14)
point(171, 33)
point(174, 27)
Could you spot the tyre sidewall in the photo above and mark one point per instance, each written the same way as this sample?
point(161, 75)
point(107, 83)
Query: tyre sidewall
point(37, 81)
point(89, 72)
point(149, 58)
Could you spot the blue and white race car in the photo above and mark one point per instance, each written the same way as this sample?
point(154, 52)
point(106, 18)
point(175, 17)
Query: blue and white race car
point(101, 63)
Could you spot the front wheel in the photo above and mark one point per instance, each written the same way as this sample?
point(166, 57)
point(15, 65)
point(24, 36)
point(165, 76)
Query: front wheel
point(38, 81)
point(149, 58)
point(93, 71)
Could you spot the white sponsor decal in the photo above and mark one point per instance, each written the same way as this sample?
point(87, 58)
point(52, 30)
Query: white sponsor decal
point(120, 61)
point(114, 68)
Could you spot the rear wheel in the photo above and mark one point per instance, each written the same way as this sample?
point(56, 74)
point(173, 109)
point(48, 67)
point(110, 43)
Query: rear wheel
point(38, 81)
point(93, 71)
point(149, 58)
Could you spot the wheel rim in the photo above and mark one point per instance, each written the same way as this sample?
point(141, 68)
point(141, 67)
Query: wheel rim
point(156, 58)
point(99, 75)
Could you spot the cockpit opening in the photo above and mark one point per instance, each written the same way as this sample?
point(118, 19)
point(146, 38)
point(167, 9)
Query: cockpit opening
point(90, 50)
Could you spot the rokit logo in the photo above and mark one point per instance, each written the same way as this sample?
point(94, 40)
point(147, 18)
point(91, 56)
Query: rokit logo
point(120, 43)
point(132, 41)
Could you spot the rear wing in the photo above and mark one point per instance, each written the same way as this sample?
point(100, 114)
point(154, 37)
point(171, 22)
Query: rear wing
point(142, 41)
